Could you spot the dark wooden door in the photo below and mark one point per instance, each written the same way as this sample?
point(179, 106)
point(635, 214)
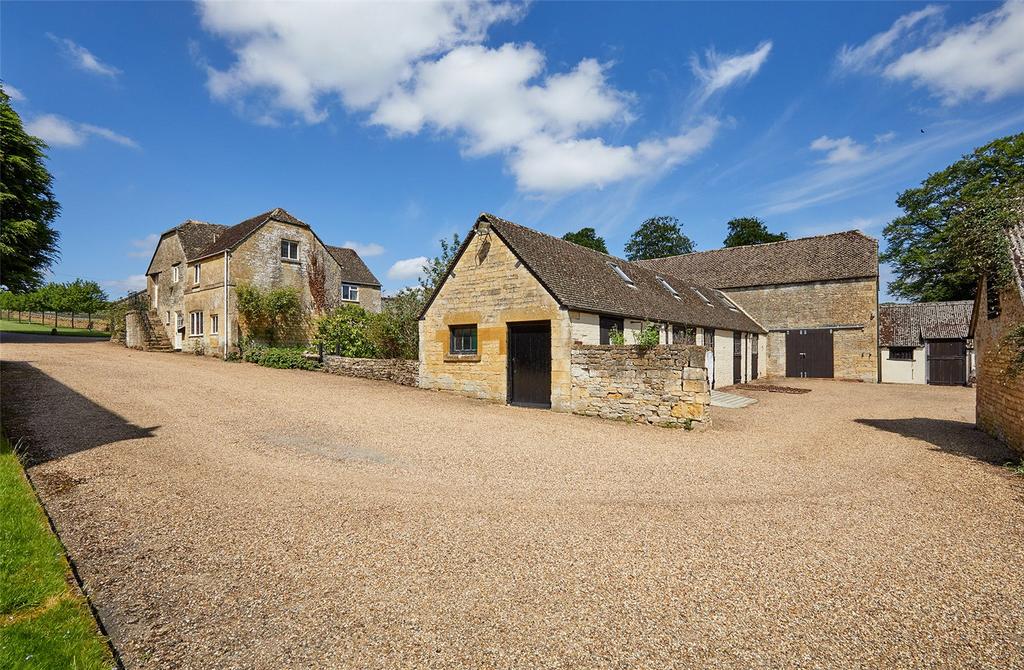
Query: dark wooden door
point(737, 357)
point(947, 362)
point(607, 325)
point(529, 364)
point(753, 356)
point(809, 353)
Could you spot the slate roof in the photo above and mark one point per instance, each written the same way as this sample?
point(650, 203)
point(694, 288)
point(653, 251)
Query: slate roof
point(909, 325)
point(353, 269)
point(846, 255)
point(583, 279)
point(238, 232)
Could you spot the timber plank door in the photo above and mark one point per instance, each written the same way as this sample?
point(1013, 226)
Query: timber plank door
point(737, 357)
point(753, 357)
point(809, 353)
point(947, 362)
point(529, 364)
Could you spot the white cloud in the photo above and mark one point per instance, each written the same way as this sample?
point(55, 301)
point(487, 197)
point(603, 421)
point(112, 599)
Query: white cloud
point(422, 67)
point(408, 268)
point(14, 93)
point(723, 71)
point(838, 150)
point(144, 248)
point(59, 132)
point(119, 287)
point(366, 250)
point(82, 58)
point(983, 57)
point(882, 138)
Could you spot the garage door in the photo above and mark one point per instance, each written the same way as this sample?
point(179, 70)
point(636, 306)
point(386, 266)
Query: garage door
point(809, 353)
point(947, 362)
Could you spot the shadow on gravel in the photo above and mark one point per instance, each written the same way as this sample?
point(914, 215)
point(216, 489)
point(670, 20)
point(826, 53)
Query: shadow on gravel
point(57, 420)
point(953, 437)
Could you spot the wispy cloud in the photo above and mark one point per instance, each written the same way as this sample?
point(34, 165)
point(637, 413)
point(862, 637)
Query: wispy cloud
point(119, 287)
point(60, 132)
point(366, 250)
point(719, 71)
point(869, 225)
point(881, 45)
point(838, 150)
point(82, 58)
point(882, 138)
point(143, 248)
point(408, 268)
point(14, 93)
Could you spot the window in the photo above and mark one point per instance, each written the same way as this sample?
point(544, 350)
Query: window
point(196, 273)
point(610, 328)
point(684, 335)
point(175, 273)
point(167, 319)
point(214, 324)
point(622, 275)
point(179, 322)
point(701, 296)
point(289, 250)
point(901, 353)
point(993, 308)
point(195, 323)
point(350, 292)
point(669, 288)
point(463, 340)
point(728, 303)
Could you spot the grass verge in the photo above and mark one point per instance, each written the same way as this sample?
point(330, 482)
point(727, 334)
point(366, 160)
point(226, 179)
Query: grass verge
point(44, 619)
point(8, 326)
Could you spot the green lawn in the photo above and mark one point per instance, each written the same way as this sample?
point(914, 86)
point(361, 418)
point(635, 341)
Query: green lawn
point(44, 620)
point(41, 329)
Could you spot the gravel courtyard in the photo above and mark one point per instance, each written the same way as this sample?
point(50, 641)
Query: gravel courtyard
point(230, 516)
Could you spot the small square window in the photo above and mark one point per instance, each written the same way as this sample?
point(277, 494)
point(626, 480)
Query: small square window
point(350, 292)
point(289, 250)
point(214, 324)
point(196, 273)
point(901, 353)
point(463, 340)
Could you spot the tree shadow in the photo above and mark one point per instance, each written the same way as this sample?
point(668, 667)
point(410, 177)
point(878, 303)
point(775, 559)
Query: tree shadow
point(57, 420)
point(959, 438)
point(45, 338)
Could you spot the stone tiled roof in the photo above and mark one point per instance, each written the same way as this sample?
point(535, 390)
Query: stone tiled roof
point(583, 279)
point(238, 232)
point(909, 325)
point(197, 235)
point(847, 255)
point(353, 269)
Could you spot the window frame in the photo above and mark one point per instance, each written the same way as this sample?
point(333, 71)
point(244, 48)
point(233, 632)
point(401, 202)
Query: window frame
point(175, 273)
point(167, 318)
point(453, 335)
point(214, 324)
point(292, 244)
point(902, 350)
point(197, 274)
point(353, 289)
point(195, 318)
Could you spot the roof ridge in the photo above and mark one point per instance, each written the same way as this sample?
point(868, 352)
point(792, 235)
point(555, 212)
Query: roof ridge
point(853, 231)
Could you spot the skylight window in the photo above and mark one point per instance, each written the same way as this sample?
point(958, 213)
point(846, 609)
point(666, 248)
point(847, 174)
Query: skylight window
point(668, 287)
point(728, 303)
point(622, 275)
point(701, 296)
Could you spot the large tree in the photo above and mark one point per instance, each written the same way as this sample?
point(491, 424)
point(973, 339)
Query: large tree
point(658, 237)
point(435, 268)
point(750, 230)
point(951, 232)
point(28, 242)
point(587, 237)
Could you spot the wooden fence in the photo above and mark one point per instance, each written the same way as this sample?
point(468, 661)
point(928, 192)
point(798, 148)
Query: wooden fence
point(98, 322)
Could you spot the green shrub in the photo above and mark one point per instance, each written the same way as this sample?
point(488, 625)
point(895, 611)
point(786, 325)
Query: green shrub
point(268, 316)
point(346, 332)
point(280, 357)
point(395, 332)
point(616, 336)
point(648, 337)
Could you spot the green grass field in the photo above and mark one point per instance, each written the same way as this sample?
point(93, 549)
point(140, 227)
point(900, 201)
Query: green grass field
point(44, 620)
point(7, 326)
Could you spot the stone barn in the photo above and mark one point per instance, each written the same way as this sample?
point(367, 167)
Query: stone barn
point(925, 343)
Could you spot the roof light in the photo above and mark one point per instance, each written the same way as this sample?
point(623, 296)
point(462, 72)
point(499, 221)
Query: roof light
point(728, 303)
point(702, 296)
point(668, 287)
point(622, 275)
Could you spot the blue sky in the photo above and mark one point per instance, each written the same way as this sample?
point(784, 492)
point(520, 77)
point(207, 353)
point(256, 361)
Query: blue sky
point(389, 126)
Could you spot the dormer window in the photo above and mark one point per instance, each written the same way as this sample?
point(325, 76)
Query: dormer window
point(622, 275)
point(668, 287)
point(289, 250)
point(728, 303)
point(701, 296)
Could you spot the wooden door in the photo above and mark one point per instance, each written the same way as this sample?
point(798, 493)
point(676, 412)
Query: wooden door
point(753, 356)
point(947, 362)
point(737, 357)
point(709, 357)
point(529, 364)
point(810, 353)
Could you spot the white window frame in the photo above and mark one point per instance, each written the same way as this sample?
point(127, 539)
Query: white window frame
point(179, 320)
point(197, 274)
point(194, 319)
point(675, 293)
point(353, 292)
point(292, 245)
point(214, 324)
point(175, 273)
point(622, 275)
point(167, 320)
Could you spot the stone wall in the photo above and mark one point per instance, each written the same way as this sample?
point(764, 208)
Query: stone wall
point(169, 294)
point(666, 385)
point(1000, 397)
point(397, 370)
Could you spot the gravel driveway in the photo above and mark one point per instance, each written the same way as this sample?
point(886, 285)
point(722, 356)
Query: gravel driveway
point(225, 515)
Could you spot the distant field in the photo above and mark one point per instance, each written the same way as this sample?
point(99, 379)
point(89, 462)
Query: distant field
point(41, 329)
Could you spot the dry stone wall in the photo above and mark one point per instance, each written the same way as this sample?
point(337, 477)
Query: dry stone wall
point(665, 385)
point(396, 370)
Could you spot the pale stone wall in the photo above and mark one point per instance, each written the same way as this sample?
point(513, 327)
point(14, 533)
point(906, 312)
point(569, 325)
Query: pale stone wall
point(819, 305)
point(903, 372)
point(170, 294)
point(1000, 397)
point(666, 385)
point(396, 370)
point(491, 289)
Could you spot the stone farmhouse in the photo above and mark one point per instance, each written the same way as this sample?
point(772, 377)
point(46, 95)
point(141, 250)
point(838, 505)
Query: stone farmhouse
point(196, 267)
point(925, 343)
point(521, 317)
point(997, 317)
point(816, 296)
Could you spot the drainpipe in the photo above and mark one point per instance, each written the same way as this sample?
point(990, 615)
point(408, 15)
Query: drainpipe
point(227, 320)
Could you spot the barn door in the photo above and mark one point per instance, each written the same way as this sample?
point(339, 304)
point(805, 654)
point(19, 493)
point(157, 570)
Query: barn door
point(753, 356)
point(709, 356)
point(947, 362)
point(529, 364)
point(809, 353)
point(737, 357)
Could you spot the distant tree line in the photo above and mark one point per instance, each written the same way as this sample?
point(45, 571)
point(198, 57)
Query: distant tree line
point(75, 297)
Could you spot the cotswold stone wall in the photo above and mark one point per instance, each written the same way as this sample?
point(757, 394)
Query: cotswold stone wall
point(1000, 397)
point(397, 370)
point(666, 385)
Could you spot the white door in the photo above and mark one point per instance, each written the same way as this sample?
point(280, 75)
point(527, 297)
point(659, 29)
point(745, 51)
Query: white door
point(156, 293)
point(179, 330)
point(709, 363)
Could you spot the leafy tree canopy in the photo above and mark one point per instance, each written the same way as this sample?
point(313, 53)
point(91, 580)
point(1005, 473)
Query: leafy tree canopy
point(435, 268)
point(750, 230)
point(951, 232)
point(658, 237)
point(587, 237)
point(28, 242)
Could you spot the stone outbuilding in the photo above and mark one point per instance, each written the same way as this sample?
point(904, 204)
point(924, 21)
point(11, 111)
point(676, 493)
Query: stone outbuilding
point(817, 296)
point(997, 326)
point(925, 343)
point(530, 319)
